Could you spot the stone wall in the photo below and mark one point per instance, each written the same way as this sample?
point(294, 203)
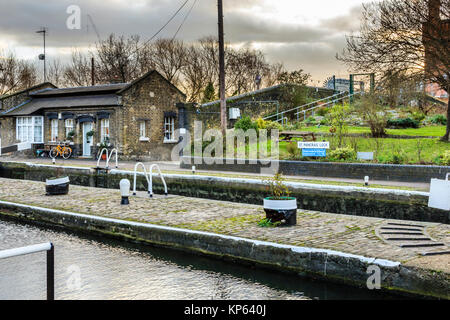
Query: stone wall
point(385, 172)
point(391, 204)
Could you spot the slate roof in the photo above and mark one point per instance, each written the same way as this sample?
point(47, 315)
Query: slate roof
point(80, 90)
point(63, 102)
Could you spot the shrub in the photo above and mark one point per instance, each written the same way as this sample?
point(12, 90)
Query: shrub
point(322, 112)
point(439, 119)
point(396, 157)
point(293, 150)
point(342, 154)
point(403, 123)
point(373, 113)
point(271, 125)
point(418, 116)
point(338, 117)
point(311, 120)
point(245, 123)
point(445, 158)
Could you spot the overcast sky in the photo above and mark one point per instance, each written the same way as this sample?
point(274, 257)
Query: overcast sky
point(301, 34)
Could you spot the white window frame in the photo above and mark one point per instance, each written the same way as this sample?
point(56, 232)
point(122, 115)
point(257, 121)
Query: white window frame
point(69, 125)
point(104, 129)
point(54, 130)
point(143, 131)
point(169, 127)
point(30, 124)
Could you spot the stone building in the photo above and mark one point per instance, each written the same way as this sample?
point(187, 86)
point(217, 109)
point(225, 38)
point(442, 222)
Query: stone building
point(139, 118)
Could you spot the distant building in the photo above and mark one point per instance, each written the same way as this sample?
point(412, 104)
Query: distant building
point(343, 84)
point(138, 118)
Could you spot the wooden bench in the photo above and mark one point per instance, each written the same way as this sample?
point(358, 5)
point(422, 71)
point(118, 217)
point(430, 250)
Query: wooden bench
point(289, 135)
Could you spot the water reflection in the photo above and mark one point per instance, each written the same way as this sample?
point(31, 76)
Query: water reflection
point(90, 268)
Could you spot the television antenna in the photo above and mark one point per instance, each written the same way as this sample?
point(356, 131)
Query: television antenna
point(44, 32)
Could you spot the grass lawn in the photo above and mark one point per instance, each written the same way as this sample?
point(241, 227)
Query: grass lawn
point(430, 131)
point(431, 149)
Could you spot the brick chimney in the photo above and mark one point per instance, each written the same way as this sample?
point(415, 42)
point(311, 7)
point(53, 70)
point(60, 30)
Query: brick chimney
point(434, 10)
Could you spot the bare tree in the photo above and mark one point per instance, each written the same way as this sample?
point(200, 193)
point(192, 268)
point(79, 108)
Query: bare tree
point(404, 36)
point(168, 56)
point(78, 72)
point(15, 74)
point(56, 73)
point(116, 59)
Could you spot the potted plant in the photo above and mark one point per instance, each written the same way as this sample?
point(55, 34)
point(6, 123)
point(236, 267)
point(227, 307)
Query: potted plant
point(89, 135)
point(70, 136)
point(105, 144)
point(280, 207)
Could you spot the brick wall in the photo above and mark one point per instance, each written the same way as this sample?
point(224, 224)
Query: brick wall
point(148, 100)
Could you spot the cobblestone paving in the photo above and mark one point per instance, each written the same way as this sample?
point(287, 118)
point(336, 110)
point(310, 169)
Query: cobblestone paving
point(344, 233)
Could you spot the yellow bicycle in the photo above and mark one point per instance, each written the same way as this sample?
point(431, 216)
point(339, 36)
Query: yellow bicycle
point(61, 150)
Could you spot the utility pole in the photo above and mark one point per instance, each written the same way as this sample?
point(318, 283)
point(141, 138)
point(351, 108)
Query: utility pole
point(92, 72)
point(42, 56)
point(223, 105)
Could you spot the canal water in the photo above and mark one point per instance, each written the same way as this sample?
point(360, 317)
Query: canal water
point(94, 268)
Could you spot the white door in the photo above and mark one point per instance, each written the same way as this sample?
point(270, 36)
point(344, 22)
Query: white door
point(87, 141)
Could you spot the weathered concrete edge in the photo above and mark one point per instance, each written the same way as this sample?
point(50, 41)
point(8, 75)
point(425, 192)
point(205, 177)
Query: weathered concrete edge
point(310, 186)
point(320, 263)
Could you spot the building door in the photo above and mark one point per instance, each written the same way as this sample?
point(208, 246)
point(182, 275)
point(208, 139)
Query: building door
point(87, 141)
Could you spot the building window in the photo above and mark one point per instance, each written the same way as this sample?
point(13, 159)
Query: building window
point(69, 126)
point(104, 130)
point(54, 130)
point(143, 131)
point(169, 129)
point(30, 129)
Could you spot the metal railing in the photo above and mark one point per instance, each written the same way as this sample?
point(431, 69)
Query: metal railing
point(281, 116)
point(151, 182)
point(50, 262)
point(149, 177)
point(108, 157)
point(348, 96)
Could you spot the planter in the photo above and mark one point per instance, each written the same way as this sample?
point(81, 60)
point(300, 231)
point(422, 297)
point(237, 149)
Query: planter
point(281, 210)
point(59, 186)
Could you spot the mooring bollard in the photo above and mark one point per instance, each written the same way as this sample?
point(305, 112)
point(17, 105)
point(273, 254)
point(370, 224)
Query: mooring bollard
point(125, 191)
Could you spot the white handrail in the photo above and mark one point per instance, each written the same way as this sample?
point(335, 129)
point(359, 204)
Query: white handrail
point(25, 250)
point(100, 156)
point(325, 104)
point(151, 182)
point(302, 106)
point(110, 156)
point(145, 174)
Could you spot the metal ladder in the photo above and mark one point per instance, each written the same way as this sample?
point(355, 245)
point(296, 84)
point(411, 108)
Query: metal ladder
point(149, 178)
point(108, 157)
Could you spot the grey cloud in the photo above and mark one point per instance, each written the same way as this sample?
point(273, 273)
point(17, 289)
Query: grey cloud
point(298, 46)
point(344, 23)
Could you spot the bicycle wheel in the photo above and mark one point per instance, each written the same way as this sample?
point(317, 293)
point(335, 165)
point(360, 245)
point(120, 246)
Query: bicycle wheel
point(67, 152)
point(53, 153)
